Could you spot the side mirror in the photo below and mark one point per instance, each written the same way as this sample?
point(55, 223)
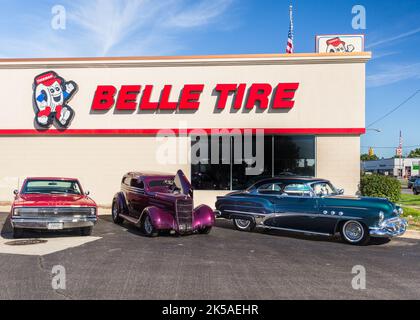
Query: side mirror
point(340, 191)
point(87, 193)
point(15, 192)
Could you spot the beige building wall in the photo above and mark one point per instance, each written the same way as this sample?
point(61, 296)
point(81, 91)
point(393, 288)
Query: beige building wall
point(338, 159)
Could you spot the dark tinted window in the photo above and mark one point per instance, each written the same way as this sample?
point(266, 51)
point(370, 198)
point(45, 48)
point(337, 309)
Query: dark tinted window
point(294, 155)
point(283, 155)
point(240, 180)
point(208, 176)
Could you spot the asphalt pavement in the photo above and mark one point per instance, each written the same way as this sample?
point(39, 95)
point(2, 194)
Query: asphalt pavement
point(119, 263)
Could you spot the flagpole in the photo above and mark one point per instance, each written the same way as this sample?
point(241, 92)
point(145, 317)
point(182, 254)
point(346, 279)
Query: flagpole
point(290, 45)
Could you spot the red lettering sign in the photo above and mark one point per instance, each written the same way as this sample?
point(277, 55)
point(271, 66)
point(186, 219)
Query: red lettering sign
point(104, 98)
point(261, 95)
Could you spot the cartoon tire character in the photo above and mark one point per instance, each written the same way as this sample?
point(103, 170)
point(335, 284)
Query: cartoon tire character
point(337, 45)
point(51, 94)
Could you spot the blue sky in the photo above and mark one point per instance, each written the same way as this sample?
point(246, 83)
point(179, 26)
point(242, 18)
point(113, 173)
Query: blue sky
point(168, 27)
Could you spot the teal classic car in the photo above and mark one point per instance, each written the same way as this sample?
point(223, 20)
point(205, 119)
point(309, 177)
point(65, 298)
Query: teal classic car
point(311, 206)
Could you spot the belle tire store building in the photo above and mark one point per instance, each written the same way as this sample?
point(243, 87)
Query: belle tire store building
point(97, 118)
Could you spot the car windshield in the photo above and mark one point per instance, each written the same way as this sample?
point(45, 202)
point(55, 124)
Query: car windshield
point(324, 189)
point(52, 187)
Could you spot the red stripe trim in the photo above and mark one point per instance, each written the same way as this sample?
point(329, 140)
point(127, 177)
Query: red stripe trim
point(148, 132)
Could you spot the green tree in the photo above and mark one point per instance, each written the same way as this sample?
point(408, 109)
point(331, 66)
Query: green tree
point(367, 157)
point(414, 153)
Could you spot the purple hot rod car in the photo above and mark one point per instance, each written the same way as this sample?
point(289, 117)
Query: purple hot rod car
point(160, 202)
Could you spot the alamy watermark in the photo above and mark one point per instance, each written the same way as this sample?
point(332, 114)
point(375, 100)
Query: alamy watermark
point(59, 17)
point(359, 17)
point(359, 280)
point(217, 146)
point(58, 281)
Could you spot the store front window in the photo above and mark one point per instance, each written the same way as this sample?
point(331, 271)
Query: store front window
point(283, 155)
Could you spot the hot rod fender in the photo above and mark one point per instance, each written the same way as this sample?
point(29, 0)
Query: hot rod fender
point(203, 217)
point(160, 219)
point(121, 203)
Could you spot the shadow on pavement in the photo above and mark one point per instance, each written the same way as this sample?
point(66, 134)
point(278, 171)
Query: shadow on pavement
point(227, 224)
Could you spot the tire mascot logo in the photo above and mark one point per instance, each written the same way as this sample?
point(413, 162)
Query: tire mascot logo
point(51, 94)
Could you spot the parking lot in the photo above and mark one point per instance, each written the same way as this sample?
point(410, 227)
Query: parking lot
point(117, 262)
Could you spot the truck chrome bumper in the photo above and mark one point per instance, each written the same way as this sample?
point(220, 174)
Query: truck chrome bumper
point(390, 228)
point(42, 223)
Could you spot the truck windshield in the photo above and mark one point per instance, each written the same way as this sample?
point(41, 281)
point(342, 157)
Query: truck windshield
point(52, 187)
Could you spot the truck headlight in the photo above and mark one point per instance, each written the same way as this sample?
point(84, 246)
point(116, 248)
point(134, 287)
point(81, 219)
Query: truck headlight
point(93, 211)
point(16, 212)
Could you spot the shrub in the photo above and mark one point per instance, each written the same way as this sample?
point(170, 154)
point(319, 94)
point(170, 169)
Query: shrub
point(376, 185)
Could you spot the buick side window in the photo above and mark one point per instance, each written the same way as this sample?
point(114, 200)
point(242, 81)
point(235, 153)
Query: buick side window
point(270, 188)
point(297, 190)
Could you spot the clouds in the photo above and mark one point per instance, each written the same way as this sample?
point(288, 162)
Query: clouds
point(114, 27)
point(390, 74)
point(391, 40)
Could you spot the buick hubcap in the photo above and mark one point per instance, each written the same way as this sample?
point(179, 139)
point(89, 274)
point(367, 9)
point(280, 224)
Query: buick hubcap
point(243, 224)
point(114, 211)
point(353, 231)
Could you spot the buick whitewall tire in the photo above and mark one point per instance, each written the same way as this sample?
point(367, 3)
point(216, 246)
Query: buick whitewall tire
point(147, 227)
point(244, 224)
point(116, 213)
point(354, 232)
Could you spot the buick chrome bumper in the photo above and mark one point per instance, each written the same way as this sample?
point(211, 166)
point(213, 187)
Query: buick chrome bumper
point(390, 228)
point(42, 222)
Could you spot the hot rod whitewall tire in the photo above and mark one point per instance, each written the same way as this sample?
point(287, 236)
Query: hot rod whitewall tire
point(116, 213)
point(147, 227)
point(244, 224)
point(354, 232)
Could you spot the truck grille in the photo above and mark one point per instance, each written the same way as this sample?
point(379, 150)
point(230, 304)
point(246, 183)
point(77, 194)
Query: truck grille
point(184, 214)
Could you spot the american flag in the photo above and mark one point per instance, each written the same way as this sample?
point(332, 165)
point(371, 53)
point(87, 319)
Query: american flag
point(289, 48)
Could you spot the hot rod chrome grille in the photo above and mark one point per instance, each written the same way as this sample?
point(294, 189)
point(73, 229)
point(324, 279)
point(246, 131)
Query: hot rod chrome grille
point(184, 214)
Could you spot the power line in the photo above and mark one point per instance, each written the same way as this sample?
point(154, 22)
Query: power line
point(395, 109)
point(405, 147)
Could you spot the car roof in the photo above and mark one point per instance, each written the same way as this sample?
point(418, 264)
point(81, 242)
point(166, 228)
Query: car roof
point(51, 178)
point(288, 180)
point(137, 174)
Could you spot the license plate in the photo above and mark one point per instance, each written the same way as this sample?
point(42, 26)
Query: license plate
point(55, 226)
